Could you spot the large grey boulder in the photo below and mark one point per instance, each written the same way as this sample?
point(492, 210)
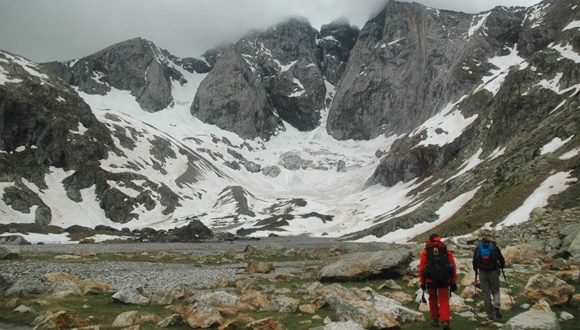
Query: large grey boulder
point(361, 266)
point(132, 296)
point(13, 240)
point(28, 289)
point(9, 251)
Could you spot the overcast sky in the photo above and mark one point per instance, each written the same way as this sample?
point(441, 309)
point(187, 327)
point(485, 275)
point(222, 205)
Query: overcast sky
point(47, 30)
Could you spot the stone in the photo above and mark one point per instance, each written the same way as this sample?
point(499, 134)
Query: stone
point(307, 308)
point(260, 267)
point(217, 299)
point(389, 284)
point(9, 251)
point(282, 305)
point(58, 277)
point(132, 296)
point(203, 317)
point(92, 287)
point(533, 320)
point(549, 288)
point(27, 289)
point(270, 323)
point(361, 266)
point(347, 325)
point(569, 276)
point(125, 319)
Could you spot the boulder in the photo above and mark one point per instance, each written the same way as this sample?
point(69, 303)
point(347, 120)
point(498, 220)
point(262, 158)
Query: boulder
point(270, 323)
point(125, 319)
point(361, 266)
point(550, 288)
point(58, 277)
point(362, 312)
point(132, 296)
point(348, 325)
point(13, 240)
point(282, 305)
point(193, 231)
point(203, 317)
point(217, 299)
point(569, 276)
point(260, 267)
point(533, 320)
point(9, 252)
point(28, 289)
point(92, 287)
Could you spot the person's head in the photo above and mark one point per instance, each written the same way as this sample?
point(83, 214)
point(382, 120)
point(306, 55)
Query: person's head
point(434, 238)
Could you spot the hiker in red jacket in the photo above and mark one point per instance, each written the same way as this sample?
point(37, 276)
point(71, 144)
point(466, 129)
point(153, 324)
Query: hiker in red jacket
point(438, 275)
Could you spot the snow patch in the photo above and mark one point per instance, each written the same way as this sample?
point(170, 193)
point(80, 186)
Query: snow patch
point(554, 145)
point(553, 185)
point(504, 63)
point(444, 127)
point(4, 78)
point(395, 41)
point(475, 26)
point(572, 25)
point(299, 90)
point(535, 15)
point(567, 51)
point(446, 211)
point(35, 238)
point(570, 154)
point(469, 164)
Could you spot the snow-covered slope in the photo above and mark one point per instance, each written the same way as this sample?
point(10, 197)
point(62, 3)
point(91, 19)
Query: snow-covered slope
point(505, 143)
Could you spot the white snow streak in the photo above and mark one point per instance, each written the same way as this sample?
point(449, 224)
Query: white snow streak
point(553, 185)
point(554, 145)
point(445, 213)
point(444, 127)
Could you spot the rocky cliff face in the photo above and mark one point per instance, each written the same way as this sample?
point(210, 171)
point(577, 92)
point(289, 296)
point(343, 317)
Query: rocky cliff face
point(408, 63)
point(481, 110)
point(517, 111)
point(274, 74)
point(136, 65)
point(47, 131)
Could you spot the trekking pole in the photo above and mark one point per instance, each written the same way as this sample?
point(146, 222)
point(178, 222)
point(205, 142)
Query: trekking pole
point(508, 287)
point(423, 300)
point(475, 295)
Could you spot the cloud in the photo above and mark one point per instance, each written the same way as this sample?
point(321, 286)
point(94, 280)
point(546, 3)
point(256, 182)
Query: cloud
point(65, 29)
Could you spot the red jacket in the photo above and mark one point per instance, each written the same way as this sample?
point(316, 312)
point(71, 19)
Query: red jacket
point(423, 263)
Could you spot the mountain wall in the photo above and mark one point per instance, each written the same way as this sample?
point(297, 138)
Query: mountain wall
point(135, 65)
point(273, 75)
point(424, 118)
point(48, 133)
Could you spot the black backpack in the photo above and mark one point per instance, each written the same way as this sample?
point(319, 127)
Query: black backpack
point(439, 269)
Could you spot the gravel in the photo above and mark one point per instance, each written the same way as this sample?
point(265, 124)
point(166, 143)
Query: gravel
point(155, 276)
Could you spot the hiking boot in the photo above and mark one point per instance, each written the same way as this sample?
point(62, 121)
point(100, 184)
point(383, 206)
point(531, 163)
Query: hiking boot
point(497, 312)
point(435, 322)
point(446, 325)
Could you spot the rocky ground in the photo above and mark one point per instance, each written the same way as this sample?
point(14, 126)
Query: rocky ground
point(287, 283)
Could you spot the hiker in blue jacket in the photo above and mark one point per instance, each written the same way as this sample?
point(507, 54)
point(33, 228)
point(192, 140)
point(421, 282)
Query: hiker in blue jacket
point(487, 262)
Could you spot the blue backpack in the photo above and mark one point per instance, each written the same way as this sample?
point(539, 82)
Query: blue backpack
point(487, 258)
